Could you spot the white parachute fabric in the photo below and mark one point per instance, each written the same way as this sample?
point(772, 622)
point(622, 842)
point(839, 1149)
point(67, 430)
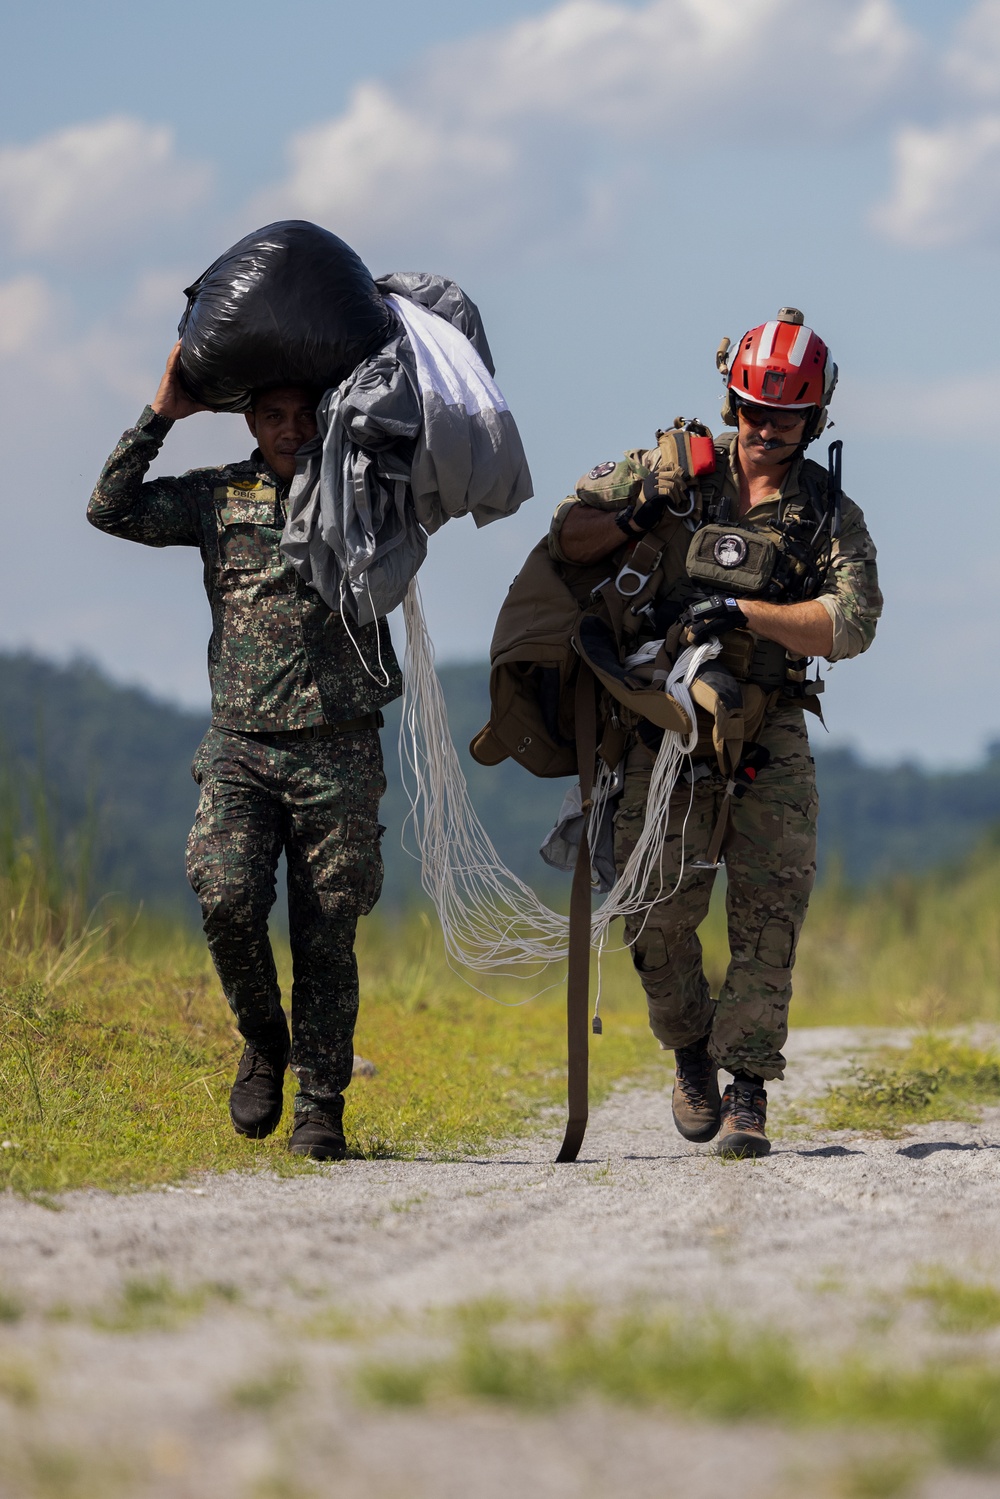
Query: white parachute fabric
point(418, 434)
point(492, 921)
point(469, 459)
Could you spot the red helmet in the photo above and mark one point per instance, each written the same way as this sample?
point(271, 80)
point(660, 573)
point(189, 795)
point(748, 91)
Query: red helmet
point(783, 363)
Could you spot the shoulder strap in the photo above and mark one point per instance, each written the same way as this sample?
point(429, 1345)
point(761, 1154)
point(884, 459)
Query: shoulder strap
point(578, 978)
point(816, 483)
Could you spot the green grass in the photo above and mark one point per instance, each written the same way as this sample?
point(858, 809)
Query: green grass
point(709, 1370)
point(957, 1305)
point(115, 1072)
point(280, 1486)
point(117, 1050)
point(18, 1383)
point(269, 1390)
point(934, 1078)
point(49, 1472)
point(11, 1309)
point(919, 951)
point(887, 1476)
point(155, 1304)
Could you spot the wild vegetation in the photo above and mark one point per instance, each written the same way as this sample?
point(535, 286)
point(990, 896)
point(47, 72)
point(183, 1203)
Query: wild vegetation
point(935, 1078)
point(117, 1049)
point(116, 1055)
point(891, 1422)
point(117, 752)
point(544, 1357)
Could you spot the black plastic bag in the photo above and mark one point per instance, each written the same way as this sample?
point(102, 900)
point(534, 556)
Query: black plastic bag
point(290, 304)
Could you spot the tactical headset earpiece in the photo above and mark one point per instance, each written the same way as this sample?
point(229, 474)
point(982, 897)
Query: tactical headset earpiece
point(722, 365)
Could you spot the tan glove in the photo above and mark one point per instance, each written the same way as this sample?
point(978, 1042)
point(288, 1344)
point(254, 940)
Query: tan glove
point(686, 454)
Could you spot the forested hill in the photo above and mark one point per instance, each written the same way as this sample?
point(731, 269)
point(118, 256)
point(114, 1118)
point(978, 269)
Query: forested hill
point(117, 761)
point(109, 760)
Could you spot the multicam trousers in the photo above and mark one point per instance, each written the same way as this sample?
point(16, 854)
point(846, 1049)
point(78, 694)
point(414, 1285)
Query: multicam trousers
point(770, 858)
point(318, 800)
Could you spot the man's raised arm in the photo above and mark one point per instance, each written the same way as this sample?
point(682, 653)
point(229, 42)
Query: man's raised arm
point(159, 513)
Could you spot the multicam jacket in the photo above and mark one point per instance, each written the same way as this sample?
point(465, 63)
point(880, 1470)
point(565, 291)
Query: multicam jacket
point(851, 594)
point(278, 658)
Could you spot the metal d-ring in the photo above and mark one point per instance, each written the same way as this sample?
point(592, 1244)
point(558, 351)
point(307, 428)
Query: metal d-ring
point(683, 514)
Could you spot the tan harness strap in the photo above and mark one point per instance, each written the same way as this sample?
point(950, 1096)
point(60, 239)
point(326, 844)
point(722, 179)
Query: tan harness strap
point(580, 906)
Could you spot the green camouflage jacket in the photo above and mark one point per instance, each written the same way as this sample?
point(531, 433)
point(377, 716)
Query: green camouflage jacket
point(278, 657)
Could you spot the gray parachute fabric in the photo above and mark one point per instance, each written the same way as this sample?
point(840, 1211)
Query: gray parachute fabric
point(352, 531)
point(447, 299)
point(418, 434)
point(561, 847)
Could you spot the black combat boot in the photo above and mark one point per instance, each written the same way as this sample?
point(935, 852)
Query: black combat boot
point(695, 1103)
point(744, 1115)
point(318, 1135)
point(256, 1096)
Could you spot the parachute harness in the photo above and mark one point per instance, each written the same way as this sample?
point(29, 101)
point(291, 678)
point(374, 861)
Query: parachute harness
point(491, 920)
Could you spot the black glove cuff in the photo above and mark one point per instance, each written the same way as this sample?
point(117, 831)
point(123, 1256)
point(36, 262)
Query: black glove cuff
point(649, 511)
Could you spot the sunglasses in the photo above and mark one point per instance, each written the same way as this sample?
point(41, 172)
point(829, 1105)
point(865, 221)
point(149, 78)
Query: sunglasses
point(765, 416)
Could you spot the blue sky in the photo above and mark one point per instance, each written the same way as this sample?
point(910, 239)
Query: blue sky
point(617, 185)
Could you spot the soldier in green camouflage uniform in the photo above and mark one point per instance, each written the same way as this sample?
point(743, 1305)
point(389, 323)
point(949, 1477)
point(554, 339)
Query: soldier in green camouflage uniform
point(770, 847)
point(292, 759)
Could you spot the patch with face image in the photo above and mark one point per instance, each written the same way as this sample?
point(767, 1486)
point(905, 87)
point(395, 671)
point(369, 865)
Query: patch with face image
point(730, 551)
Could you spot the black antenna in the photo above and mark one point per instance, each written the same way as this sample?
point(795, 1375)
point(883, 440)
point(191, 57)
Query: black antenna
point(835, 491)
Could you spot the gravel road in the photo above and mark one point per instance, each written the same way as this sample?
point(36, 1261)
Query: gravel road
point(251, 1397)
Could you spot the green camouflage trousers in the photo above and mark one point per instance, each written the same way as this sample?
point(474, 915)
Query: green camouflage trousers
point(770, 857)
point(318, 800)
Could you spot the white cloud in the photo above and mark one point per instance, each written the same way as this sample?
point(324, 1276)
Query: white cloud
point(95, 185)
point(973, 63)
point(511, 131)
point(158, 294)
point(27, 314)
point(946, 175)
point(907, 409)
point(44, 346)
point(947, 184)
point(385, 162)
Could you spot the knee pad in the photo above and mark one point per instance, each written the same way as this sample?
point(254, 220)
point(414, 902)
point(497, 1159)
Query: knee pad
point(775, 946)
point(649, 950)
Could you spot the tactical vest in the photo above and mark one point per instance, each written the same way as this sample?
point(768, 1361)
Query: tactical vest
point(558, 616)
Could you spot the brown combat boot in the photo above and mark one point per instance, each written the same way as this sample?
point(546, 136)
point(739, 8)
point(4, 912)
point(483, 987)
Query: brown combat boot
point(744, 1115)
point(695, 1103)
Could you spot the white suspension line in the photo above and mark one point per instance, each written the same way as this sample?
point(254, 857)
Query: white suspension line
point(492, 921)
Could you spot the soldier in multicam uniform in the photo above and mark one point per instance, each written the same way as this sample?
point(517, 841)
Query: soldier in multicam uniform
point(292, 759)
point(780, 380)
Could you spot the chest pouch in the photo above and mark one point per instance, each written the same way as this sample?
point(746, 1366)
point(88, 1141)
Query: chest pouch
point(751, 659)
point(247, 515)
point(732, 558)
point(242, 505)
